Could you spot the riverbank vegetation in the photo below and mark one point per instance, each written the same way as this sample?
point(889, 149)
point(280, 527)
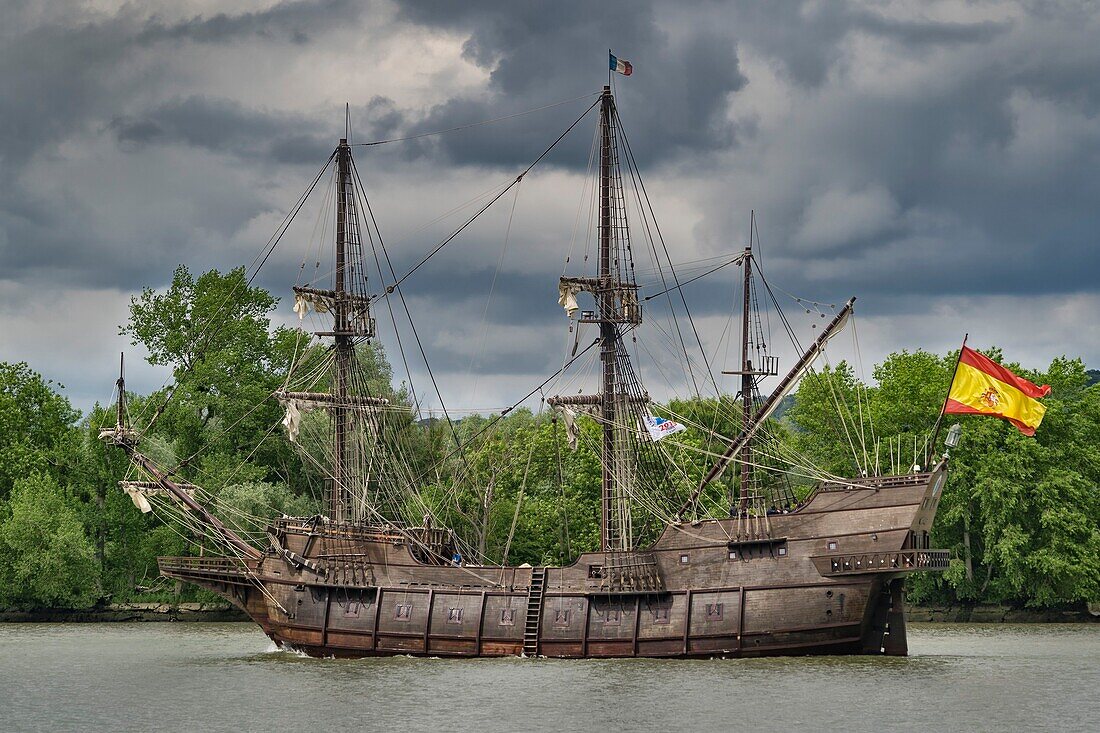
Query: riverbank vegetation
point(1020, 515)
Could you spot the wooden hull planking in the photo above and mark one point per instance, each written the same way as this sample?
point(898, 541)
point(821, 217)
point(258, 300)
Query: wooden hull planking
point(827, 578)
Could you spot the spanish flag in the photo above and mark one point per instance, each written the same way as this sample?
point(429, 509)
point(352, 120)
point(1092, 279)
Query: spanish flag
point(983, 387)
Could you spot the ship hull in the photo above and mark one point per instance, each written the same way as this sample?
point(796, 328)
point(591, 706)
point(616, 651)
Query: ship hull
point(827, 578)
point(346, 640)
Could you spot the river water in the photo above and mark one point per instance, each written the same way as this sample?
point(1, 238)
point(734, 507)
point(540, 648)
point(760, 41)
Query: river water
point(229, 677)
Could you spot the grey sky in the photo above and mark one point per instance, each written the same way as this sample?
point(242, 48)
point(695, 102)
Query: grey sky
point(937, 159)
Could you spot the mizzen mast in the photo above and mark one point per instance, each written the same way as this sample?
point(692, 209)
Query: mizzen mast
point(767, 366)
point(748, 383)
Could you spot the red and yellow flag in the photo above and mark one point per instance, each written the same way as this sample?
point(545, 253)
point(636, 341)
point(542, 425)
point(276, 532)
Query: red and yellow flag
point(983, 387)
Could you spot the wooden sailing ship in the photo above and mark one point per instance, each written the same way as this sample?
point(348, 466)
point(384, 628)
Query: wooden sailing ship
point(823, 576)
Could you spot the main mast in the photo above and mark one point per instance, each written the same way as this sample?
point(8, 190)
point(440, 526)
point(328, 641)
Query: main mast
point(616, 406)
point(605, 307)
point(344, 349)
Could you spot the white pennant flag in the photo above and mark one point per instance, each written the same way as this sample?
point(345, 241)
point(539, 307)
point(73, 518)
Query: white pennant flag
point(659, 427)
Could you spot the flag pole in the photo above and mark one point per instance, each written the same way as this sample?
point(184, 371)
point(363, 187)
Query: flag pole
point(610, 71)
point(939, 419)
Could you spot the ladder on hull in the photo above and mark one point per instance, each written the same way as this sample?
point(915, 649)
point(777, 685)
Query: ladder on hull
point(535, 594)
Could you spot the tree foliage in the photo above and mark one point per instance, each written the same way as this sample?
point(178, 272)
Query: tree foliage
point(35, 424)
point(1020, 515)
point(45, 556)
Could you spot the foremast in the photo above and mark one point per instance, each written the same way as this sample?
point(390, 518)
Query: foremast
point(343, 347)
point(616, 296)
point(123, 436)
point(347, 498)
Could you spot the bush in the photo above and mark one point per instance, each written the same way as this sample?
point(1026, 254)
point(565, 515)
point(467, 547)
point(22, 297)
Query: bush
point(46, 560)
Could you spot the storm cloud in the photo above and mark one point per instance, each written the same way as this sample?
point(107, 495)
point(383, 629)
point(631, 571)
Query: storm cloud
point(936, 159)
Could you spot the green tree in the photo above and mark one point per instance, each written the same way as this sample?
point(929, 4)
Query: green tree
point(36, 423)
point(45, 557)
point(1020, 514)
point(214, 331)
point(825, 416)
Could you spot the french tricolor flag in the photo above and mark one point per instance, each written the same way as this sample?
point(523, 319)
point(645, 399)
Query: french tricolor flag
point(619, 65)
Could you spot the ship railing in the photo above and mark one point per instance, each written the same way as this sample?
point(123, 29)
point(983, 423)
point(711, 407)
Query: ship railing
point(429, 545)
point(227, 569)
point(627, 572)
point(344, 530)
point(903, 561)
point(752, 518)
point(874, 482)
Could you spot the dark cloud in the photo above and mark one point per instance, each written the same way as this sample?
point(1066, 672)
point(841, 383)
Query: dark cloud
point(60, 77)
point(227, 127)
point(807, 38)
point(292, 21)
point(930, 159)
point(535, 52)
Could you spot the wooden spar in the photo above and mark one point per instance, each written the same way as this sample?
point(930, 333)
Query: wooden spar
point(343, 348)
point(770, 404)
point(608, 330)
point(185, 498)
point(943, 410)
point(327, 400)
point(748, 382)
point(121, 384)
point(127, 440)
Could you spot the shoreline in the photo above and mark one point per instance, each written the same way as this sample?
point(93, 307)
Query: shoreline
point(126, 612)
point(211, 612)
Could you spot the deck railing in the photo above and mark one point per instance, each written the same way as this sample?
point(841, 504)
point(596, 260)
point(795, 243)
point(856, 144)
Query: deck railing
point(882, 562)
point(216, 568)
point(627, 572)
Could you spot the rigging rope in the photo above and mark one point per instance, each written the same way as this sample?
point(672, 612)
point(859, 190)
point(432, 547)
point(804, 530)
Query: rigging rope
point(445, 242)
point(475, 124)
